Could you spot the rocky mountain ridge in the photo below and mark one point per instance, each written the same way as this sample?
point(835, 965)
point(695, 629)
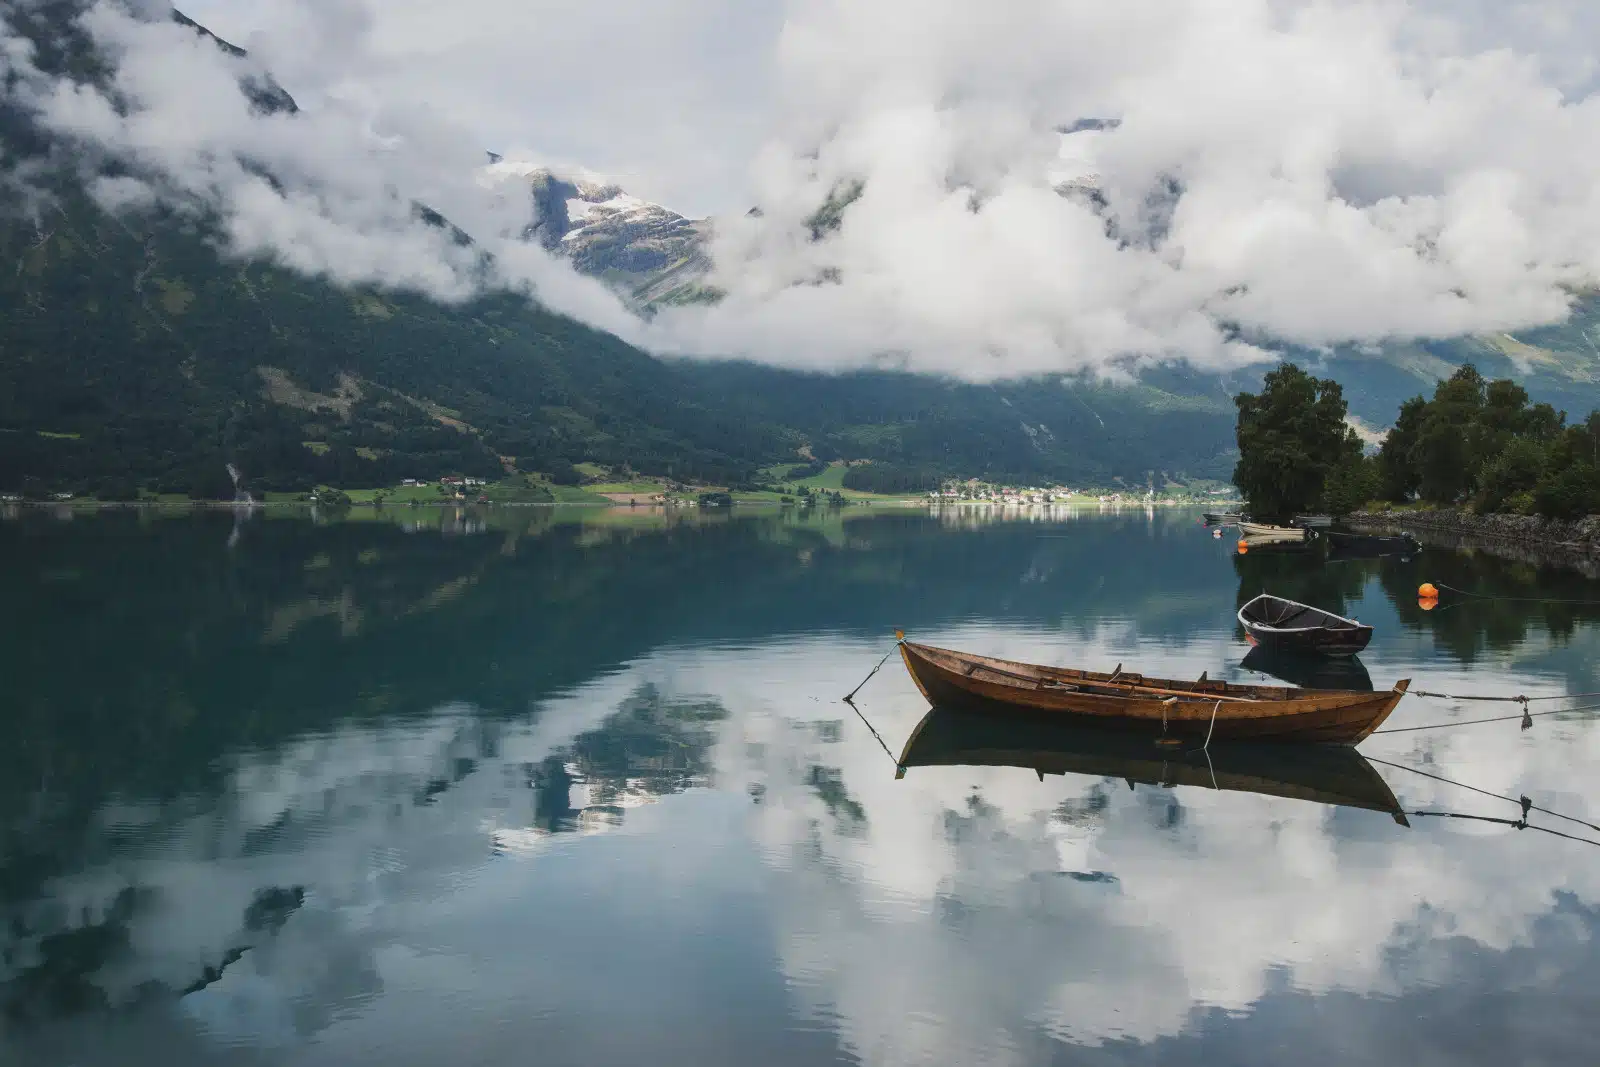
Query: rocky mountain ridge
point(650, 254)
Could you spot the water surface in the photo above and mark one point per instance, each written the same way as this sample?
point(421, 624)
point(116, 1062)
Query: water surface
point(543, 786)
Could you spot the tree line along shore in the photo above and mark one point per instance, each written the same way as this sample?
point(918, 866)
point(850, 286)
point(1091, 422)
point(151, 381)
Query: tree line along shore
point(1476, 447)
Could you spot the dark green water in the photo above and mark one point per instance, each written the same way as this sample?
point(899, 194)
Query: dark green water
point(551, 788)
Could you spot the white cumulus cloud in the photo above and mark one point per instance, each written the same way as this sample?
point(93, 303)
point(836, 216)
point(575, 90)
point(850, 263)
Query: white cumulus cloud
point(1278, 170)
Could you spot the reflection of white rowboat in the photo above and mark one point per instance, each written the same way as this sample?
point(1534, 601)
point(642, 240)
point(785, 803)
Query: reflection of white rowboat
point(1263, 532)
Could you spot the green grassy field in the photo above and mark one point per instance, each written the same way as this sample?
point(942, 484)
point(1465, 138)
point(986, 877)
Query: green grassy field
point(399, 494)
point(830, 480)
point(641, 485)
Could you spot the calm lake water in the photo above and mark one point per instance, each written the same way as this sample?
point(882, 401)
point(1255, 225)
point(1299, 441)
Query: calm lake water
point(577, 787)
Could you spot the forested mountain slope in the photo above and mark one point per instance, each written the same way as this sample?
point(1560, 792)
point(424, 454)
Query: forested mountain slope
point(134, 355)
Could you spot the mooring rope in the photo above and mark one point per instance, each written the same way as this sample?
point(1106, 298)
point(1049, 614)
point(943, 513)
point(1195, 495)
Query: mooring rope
point(1506, 700)
point(873, 671)
point(1522, 802)
point(1525, 716)
point(1514, 599)
point(874, 730)
point(1519, 824)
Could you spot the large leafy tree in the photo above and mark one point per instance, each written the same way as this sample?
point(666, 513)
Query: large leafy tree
point(1475, 442)
point(1397, 471)
point(1292, 439)
point(1450, 443)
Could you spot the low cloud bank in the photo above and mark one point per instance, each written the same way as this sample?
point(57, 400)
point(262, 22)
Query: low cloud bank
point(1270, 171)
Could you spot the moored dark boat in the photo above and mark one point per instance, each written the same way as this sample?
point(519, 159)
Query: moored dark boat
point(1221, 518)
point(1290, 626)
point(1313, 522)
point(1370, 546)
point(1323, 774)
point(1157, 707)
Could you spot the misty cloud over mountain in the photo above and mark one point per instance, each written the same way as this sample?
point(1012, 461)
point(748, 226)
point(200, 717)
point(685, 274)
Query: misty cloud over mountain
point(1274, 171)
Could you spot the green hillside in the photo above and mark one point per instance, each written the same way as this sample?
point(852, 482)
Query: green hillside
point(134, 357)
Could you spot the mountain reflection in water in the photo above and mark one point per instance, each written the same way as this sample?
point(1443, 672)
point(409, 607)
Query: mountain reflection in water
point(418, 788)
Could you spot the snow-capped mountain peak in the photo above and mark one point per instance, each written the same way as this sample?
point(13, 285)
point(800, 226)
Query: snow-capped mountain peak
point(648, 252)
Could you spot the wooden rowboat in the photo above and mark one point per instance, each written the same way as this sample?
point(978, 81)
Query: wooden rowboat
point(1290, 626)
point(1323, 774)
point(1267, 531)
point(1191, 710)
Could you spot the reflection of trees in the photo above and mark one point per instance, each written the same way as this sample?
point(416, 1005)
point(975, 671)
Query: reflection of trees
point(1301, 573)
point(828, 783)
point(1467, 626)
point(151, 647)
point(53, 974)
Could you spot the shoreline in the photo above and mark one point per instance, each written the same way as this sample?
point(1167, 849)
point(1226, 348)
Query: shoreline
point(1527, 538)
point(90, 504)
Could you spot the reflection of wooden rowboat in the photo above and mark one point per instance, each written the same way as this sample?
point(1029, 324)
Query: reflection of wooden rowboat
point(1324, 774)
point(1152, 706)
point(1268, 533)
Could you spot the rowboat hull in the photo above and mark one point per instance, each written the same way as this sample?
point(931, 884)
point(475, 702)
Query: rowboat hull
point(1370, 546)
point(1290, 627)
point(1312, 642)
point(1322, 774)
point(1178, 710)
point(1271, 533)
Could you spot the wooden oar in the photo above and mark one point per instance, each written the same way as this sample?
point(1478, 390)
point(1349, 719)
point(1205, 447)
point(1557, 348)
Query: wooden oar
point(1125, 686)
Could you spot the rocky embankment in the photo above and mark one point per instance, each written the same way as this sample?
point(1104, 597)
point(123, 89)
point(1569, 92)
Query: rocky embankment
point(1522, 536)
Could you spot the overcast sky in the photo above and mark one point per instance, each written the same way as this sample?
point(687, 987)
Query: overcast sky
point(674, 97)
point(670, 97)
point(1306, 171)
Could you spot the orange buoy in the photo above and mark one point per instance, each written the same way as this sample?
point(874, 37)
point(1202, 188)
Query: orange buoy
point(1428, 591)
point(1244, 549)
point(1427, 603)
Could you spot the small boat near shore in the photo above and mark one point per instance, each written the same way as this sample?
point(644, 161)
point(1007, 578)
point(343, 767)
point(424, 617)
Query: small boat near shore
point(1370, 546)
point(1268, 532)
point(1283, 625)
point(1221, 518)
point(1313, 522)
point(1195, 710)
point(1322, 774)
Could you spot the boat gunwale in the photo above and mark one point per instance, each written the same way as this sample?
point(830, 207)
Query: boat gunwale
point(1146, 687)
point(1250, 624)
point(1310, 716)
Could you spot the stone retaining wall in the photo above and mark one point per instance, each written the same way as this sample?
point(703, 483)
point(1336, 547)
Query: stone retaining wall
point(1581, 537)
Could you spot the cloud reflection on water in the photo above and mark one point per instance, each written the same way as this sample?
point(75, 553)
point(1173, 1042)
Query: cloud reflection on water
point(753, 847)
